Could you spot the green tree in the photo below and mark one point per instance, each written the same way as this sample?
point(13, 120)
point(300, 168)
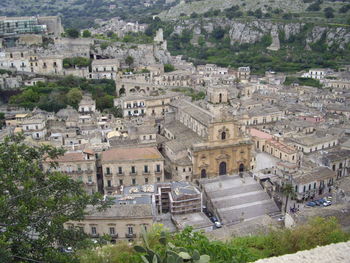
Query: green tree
point(104, 102)
point(86, 33)
point(34, 205)
point(129, 61)
point(328, 12)
point(168, 68)
point(2, 119)
point(288, 192)
point(72, 33)
point(74, 96)
point(117, 112)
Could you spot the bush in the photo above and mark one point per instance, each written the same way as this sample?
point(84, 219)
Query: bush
point(314, 7)
point(76, 62)
point(86, 33)
point(218, 33)
point(168, 68)
point(72, 33)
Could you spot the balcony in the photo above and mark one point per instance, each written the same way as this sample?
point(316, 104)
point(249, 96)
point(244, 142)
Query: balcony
point(120, 174)
point(90, 183)
point(114, 235)
point(108, 174)
point(133, 173)
point(89, 171)
point(130, 235)
point(146, 172)
point(158, 172)
point(96, 235)
point(110, 188)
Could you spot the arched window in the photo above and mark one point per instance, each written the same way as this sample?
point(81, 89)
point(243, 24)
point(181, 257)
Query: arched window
point(220, 97)
point(223, 135)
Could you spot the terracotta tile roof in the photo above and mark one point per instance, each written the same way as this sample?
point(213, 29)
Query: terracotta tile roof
point(134, 153)
point(68, 157)
point(260, 134)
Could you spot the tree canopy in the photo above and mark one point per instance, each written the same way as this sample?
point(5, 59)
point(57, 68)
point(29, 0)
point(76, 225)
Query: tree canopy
point(35, 204)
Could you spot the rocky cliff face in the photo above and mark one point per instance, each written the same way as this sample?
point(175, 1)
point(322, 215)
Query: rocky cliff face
point(142, 54)
point(242, 32)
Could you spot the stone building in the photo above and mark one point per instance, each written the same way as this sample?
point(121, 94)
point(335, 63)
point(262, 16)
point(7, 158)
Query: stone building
point(313, 183)
point(141, 105)
point(104, 68)
point(87, 105)
point(124, 220)
point(277, 148)
point(131, 166)
point(79, 165)
point(223, 149)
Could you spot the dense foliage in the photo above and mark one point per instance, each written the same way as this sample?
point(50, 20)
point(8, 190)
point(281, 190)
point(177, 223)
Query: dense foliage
point(35, 204)
point(76, 62)
point(57, 94)
point(303, 82)
point(319, 231)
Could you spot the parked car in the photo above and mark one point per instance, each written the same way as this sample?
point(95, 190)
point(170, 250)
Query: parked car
point(311, 204)
point(217, 224)
point(214, 219)
point(327, 203)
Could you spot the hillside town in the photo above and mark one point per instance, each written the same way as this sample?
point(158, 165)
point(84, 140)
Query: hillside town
point(216, 148)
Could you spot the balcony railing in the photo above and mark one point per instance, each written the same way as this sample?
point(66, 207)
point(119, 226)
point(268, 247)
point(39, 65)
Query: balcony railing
point(114, 235)
point(95, 235)
point(108, 174)
point(132, 235)
point(133, 173)
point(146, 172)
point(120, 174)
point(158, 172)
point(90, 183)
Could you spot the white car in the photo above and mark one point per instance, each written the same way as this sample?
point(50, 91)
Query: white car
point(327, 203)
point(217, 224)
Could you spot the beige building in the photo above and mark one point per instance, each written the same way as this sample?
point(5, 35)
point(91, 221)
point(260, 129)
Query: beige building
point(313, 143)
point(141, 105)
point(222, 150)
point(131, 166)
point(79, 165)
point(277, 148)
point(122, 221)
point(104, 68)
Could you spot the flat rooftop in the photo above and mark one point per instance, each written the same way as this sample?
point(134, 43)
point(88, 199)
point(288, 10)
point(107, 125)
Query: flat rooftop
point(236, 199)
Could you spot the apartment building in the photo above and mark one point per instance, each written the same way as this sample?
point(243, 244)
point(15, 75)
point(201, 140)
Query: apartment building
point(131, 166)
point(79, 165)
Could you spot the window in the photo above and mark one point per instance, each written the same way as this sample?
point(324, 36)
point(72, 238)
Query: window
point(158, 168)
point(120, 182)
point(184, 169)
point(112, 231)
point(93, 230)
point(309, 187)
point(120, 170)
point(146, 180)
point(108, 170)
point(304, 190)
point(130, 230)
point(314, 185)
point(133, 181)
point(133, 169)
point(146, 168)
point(223, 135)
point(158, 179)
point(109, 183)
